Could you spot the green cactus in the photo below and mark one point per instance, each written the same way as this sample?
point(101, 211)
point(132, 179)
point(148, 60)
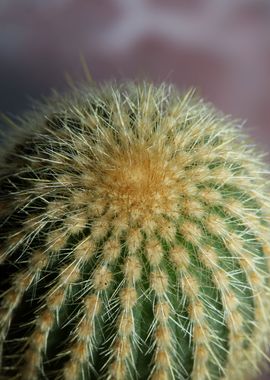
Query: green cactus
point(134, 227)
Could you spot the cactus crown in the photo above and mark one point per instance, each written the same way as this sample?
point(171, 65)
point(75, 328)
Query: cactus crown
point(134, 226)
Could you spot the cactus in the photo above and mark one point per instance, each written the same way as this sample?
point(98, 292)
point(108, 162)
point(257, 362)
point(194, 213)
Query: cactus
point(134, 227)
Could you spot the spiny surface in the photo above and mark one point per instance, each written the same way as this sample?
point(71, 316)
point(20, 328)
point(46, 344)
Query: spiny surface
point(134, 240)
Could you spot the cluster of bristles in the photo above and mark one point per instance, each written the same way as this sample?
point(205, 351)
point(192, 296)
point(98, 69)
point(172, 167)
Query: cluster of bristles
point(134, 241)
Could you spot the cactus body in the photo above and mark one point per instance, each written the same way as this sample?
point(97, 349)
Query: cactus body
point(134, 241)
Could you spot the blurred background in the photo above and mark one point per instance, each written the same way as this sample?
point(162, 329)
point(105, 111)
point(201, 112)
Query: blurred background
point(221, 47)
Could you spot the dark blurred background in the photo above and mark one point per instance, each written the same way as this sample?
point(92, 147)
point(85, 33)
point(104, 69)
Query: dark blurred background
point(220, 47)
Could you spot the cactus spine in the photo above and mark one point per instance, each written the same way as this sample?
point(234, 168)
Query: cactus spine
point(134, 240)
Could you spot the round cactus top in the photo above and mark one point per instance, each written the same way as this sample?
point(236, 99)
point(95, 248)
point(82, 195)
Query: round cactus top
point(134, 227)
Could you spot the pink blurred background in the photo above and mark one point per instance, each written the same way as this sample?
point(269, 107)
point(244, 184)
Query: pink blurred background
point(220, 47)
